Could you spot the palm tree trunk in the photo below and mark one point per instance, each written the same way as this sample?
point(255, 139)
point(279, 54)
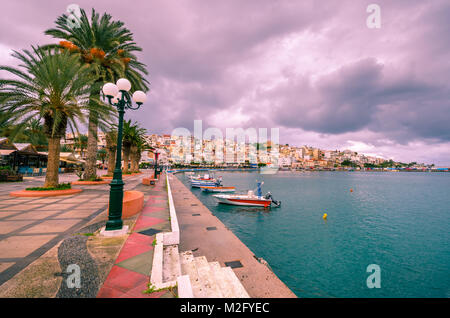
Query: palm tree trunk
point(137, 158)
point(91, 154)
point(126, 158)
point(133, 150)
point(134, 163)
point(51, 178)
point(111, 161)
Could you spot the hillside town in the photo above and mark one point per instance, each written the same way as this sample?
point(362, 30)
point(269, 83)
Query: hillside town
point(182, 151)
point(177, 151)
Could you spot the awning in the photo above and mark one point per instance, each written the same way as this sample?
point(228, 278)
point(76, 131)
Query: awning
point(70, 161)
point(6, 152)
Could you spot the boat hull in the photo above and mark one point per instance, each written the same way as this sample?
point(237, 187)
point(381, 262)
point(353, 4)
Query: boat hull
point(203, 184)
point(217, 189)
point(243, 201)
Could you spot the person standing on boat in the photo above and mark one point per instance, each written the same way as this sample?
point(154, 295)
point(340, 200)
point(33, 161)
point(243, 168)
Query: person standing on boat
point(259, 190)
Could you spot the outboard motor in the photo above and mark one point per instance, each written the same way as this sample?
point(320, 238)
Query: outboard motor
point(268, 196)
point(218, 182)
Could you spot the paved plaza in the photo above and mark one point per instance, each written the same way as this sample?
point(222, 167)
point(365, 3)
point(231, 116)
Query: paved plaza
point(29, 227)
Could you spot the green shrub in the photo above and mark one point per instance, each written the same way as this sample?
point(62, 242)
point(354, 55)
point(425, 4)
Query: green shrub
point(61, 186)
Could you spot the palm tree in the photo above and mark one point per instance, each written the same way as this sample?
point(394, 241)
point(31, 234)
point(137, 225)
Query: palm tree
point(81, 143)
point(111, 148)
point(107, 47)
point(35, 134)
point(32, 132)
point(136, 152)
point(53, 86)
point(101, 155)
point(132, 133)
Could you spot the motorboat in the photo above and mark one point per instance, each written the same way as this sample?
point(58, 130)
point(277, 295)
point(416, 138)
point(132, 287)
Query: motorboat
point(270, 168)
point(205, 181)
point(249, 199)
point(217, 189)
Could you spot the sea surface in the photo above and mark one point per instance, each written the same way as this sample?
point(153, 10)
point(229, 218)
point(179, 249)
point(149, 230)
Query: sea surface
point(399, 221)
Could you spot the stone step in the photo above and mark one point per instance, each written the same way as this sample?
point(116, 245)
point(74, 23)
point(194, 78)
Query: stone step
point(222, 280)
point(210, 280)
point(184, 287)
point(171, 263)
point(188, 268)
point(207, 278)
point(236, 286)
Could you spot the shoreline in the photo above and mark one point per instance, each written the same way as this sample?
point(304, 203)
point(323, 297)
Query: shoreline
point(206, 235)
point(175, 171)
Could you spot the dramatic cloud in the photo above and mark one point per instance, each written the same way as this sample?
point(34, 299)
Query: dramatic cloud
point(312, 68)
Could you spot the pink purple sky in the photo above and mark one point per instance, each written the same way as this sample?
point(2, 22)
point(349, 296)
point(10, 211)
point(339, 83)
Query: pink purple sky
point(311, 68)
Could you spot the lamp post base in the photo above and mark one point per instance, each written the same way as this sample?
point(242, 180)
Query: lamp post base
point(112, 233)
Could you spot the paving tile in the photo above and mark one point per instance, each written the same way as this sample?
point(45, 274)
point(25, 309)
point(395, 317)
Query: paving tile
point(21, 246)
point(22, 207)
point(159, 214)
point(5, 265)
point(80, 214)
point(139, 239)
point(150, 232)
point(131, 250)
point(51, 226)
point(149, 209)
point(34, 215)
point(10, 226)
point(108, 292)
point(123, 279)
point(5, 214)
point(56, 207)
point(146, 221)
point(140, 263)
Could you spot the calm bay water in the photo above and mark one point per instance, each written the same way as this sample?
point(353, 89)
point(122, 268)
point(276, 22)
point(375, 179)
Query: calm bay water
point(399, 221)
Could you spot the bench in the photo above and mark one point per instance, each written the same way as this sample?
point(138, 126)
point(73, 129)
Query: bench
point(133, 202)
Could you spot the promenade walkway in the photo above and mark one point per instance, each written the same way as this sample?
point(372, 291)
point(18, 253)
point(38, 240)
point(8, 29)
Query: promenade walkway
point(206, 235)
point(131, 271)
point(57, 230)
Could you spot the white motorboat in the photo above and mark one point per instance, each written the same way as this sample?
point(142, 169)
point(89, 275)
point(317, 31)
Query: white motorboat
point(217, 189)
point(249, 199)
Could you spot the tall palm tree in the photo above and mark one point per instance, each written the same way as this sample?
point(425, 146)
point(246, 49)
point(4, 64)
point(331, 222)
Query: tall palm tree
point(108, 48)
point(53, 86)
point(111, 148)
point(132, 133)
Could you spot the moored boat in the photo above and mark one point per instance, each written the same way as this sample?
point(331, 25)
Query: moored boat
point(217, 189)
point(249, 199)
point(205, 181)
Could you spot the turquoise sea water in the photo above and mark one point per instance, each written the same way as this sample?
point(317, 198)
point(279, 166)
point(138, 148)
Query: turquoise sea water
point(399, 221)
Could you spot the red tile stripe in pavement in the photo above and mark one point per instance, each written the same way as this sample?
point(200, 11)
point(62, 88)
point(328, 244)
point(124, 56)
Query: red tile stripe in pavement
point(136, 244)
point(145, 221)
point(125, 283)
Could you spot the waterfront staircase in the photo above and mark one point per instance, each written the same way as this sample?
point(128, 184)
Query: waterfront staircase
point(194, 277)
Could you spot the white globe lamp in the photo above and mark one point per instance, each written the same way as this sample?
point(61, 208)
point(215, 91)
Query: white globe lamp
point(123, 84)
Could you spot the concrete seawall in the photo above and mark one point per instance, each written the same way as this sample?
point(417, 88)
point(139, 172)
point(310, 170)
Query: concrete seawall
point(205, 234)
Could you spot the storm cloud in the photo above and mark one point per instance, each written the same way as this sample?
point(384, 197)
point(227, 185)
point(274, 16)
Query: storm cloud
point(312, 68)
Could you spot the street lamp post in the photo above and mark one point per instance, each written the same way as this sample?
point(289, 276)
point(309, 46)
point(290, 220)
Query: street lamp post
point(118, 96)
point(156, 164)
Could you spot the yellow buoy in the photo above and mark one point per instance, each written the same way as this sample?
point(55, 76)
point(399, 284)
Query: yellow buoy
point(324, 216)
